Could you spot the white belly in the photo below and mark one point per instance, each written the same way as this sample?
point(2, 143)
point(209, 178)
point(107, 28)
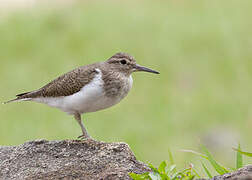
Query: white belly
point(90, 98)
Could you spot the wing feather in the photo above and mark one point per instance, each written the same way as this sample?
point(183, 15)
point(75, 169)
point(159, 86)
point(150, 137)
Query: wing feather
point(65, 85)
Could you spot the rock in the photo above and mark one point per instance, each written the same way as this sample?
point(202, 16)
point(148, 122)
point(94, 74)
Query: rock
point(68, 159)
point(244, 173)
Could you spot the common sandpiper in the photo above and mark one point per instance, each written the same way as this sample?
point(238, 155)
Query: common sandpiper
point(88, 88)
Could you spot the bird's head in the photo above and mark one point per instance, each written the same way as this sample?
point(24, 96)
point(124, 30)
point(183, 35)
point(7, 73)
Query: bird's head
point(125, 63)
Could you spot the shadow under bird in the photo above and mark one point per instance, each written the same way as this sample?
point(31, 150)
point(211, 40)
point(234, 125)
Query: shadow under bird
point(88, 88)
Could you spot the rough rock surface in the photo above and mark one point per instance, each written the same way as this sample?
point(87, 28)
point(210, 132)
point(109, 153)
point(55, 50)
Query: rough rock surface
point(69, 159)
point(244, 173)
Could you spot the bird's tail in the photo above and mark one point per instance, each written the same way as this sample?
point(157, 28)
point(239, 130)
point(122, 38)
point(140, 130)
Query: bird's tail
point(19, 97)
point(13, 100)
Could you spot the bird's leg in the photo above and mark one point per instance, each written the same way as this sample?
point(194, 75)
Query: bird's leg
point(84, 135)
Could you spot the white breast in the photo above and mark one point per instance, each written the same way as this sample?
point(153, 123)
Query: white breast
point(89, 99)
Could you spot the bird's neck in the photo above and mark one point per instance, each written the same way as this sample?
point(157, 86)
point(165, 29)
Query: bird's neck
point(116, 84)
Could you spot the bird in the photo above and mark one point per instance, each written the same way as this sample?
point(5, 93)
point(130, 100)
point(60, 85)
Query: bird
point(88, 88)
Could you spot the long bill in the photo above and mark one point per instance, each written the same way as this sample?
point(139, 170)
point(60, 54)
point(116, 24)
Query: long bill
point(142, 68)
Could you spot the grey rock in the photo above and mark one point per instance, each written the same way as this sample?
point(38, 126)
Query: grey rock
point(68, 159)
point(244, 173)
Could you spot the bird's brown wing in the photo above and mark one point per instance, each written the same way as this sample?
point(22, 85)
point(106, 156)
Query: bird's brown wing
point(65, 85)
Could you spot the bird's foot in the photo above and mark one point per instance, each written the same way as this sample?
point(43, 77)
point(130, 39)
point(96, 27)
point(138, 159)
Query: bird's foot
point(84, 137)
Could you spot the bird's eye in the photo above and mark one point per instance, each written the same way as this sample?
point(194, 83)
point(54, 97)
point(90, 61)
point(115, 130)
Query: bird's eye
point(123, 61)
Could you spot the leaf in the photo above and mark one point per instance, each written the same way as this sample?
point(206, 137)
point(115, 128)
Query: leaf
point(164, 177)
point(162, 167)
point(170, 157)
point(196, 173)
point(135, 176)
point(220, 169)
point(243, 152)
point(171, 168)
point(154, 176)
point(238, 157)
point(191, 177)
point(153, 168)
point(194, 152)
point(174, 176)
point(207, 172)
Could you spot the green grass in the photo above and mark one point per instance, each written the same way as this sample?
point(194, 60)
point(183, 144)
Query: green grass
point(167, 169)
point(201, 48)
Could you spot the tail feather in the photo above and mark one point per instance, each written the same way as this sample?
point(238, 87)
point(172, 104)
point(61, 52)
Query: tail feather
point(13, 100)
point(19, 95)
point(18, 98)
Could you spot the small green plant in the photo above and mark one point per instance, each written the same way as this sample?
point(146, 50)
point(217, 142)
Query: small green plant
point(243, 152)
point(208, 156)
point(168, 171)
point(239, 157)
point(220, 169)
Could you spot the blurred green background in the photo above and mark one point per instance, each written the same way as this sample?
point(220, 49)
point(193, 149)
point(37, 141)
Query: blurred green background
point(203, 50)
